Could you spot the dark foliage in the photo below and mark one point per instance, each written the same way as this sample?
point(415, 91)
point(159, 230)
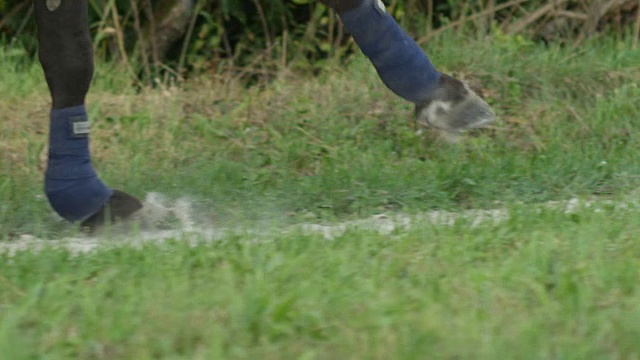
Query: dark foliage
point(204, 35)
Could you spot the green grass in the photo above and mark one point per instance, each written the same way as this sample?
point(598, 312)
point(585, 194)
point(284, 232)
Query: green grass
point(540, 285)
point(334, 147)
point(341, 144)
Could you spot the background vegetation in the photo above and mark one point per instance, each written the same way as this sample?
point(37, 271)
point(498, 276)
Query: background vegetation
point(161, 40)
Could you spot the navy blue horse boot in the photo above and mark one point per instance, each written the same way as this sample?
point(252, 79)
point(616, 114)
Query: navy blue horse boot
point(442, 102)
point(71, 184)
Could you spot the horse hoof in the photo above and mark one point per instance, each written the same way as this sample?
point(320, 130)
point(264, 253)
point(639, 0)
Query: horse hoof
point(454, 107)
point(119, 208)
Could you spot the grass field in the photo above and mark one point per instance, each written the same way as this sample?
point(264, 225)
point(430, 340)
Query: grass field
point(540, 283)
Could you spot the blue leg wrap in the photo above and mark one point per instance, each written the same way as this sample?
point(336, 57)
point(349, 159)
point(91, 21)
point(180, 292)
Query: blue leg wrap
point(71, 184)
point(401, 63)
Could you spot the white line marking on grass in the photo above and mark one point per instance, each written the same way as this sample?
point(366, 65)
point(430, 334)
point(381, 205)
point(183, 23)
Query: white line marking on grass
point(185, 228)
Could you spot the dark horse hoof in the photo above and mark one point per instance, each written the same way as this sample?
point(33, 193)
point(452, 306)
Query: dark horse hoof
point(120, 207)
point(454, 107)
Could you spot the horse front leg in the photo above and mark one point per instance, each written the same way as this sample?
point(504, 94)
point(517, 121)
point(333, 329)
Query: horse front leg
point(72, 186)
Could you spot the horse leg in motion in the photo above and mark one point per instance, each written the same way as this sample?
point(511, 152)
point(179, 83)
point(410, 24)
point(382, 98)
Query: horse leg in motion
point(71, 184)
point(442, 102)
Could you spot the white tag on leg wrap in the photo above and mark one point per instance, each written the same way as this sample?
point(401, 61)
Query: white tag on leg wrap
point(80, 126)
point(380, 7)
point(53, 5)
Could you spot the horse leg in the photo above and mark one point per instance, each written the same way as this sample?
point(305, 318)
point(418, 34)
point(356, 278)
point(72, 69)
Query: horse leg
point(72, 186)
point(442, 101)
